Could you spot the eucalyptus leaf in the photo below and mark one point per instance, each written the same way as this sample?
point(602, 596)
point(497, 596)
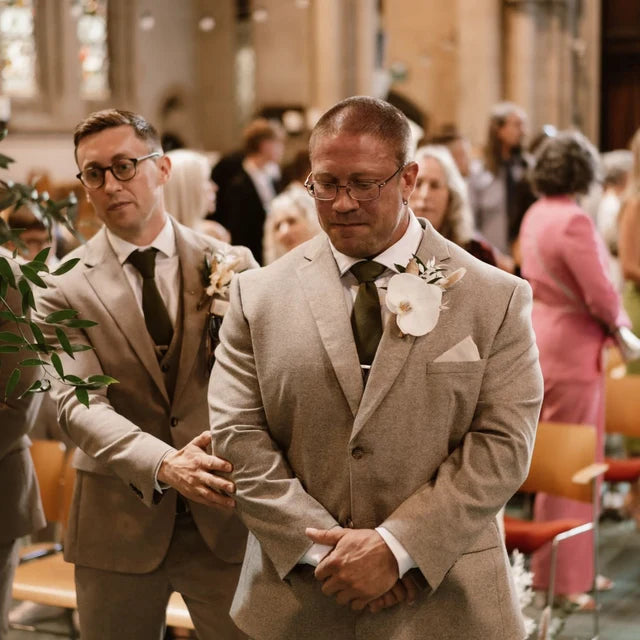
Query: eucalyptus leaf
point(80, 324)
point(59, 316)
point(7, 272)
point(80, 347)
point(33, 362)
point(9, 336)
point(36, 387)
point(103, 380)
point(83, 396)
point(37, 333)
point(66, 266)
point(27, 295)
point(57, 364)
point(9, 348)
point(30, 273)
point(13, 380)
point(42, 255)
point(64, 341)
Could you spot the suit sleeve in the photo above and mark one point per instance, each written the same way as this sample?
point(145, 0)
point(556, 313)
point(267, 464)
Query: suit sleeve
point(270, 499)
point(443, 519)
point(102, 433)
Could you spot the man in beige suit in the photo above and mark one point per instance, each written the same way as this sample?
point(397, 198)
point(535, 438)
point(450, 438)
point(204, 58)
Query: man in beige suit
point(383, 470)
point(20, 509)
point(147, 516)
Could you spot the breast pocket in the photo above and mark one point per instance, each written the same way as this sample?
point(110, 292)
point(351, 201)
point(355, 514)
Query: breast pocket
point(453, 390)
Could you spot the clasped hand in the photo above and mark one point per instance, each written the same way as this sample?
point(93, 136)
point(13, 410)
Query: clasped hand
point(360, 571)
point(190, 471)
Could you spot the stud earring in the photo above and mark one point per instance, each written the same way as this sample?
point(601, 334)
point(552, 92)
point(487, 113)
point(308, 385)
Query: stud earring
point(405, 202)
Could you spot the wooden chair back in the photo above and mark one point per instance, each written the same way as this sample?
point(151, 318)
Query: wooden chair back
point(560, 451)
point(622, 405)
point(48, 459)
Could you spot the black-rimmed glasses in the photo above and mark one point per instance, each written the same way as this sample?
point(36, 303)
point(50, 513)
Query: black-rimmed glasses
point(123, 170)
point(360, 190)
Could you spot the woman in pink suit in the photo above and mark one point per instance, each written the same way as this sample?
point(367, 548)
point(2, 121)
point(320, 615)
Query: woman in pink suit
point(565, 262)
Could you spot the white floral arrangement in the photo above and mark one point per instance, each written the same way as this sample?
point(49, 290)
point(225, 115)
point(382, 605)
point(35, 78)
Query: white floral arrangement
point(523, 580)
point(217, 272)
point(415, 295)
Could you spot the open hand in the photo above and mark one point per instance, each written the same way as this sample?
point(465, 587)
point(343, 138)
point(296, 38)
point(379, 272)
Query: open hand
point(190, 472)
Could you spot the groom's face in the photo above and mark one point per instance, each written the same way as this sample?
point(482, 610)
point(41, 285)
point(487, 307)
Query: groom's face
point(361, 228)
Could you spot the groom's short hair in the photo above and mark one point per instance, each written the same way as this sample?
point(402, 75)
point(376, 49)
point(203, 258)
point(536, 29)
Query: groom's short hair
point(109, 118)
point(364, 115)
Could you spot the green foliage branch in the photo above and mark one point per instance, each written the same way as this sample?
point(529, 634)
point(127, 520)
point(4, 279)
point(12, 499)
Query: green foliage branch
point(25, 335)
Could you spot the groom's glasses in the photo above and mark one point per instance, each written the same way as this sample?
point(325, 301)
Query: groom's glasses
point(123, 169)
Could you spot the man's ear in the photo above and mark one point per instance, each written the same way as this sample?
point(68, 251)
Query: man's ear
point(164, 167)
point(408, 179)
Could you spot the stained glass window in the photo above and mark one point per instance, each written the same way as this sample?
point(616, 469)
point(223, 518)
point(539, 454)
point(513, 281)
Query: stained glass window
point(17, 48)
point(93, 53)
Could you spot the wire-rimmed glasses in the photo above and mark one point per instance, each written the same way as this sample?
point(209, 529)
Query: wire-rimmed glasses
point(360, 190)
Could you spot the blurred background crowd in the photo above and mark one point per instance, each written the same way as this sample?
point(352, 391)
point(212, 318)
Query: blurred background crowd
point(544, 184)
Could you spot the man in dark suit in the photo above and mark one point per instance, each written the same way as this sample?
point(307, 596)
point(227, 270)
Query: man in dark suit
point(243, 202)
point(148, 517)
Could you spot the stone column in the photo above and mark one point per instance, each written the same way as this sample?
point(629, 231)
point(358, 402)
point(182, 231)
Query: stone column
point(480, 63)
point(365, 26)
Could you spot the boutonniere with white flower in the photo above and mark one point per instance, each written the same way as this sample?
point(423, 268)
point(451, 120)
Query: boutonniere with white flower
point(218, 270)
point(415, 295)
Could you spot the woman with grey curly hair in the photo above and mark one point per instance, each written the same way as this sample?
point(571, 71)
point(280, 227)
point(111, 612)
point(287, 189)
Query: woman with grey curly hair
point(441, 197)
point(575, 304)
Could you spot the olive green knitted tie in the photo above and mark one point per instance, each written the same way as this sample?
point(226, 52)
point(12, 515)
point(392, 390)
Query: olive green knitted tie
point(156, 316)
point(366, 319)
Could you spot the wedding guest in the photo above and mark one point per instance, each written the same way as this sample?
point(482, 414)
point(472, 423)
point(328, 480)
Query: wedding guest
point(564, 260)
point(629, 244)
point(617, 166)
point(499, 192)
point(243, 204)
point(441, 197)
point(291, 220)
point(148, 517)
point(190, 194)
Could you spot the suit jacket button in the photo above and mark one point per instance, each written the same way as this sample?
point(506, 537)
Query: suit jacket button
point(357, 453)
point(174, 422)
point(349, 523)
point(165, 368)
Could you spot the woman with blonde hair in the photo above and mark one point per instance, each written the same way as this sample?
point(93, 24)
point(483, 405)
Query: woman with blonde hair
point(441, 197)
point(190, 194)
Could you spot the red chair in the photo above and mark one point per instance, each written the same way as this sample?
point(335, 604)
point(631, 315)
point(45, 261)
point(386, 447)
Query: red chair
point(563, 464)
point(622, 406)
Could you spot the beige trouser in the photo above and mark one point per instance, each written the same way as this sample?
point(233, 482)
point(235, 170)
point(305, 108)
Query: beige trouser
point(8, 563)
point(125, 606)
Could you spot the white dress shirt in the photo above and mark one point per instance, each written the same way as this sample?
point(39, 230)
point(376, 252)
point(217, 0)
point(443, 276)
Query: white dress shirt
point(399, 253)
point(167, 274)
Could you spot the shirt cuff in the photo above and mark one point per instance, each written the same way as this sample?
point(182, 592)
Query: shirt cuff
point(315, 554)
point(404, 560)
point(160, 487)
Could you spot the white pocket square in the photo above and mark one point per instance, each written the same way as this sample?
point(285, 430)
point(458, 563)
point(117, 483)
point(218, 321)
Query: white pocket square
point(464, 351)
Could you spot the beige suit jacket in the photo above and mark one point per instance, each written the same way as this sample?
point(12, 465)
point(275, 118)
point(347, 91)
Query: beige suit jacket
point(429, 450)
point(118, 521)
point(20, 509)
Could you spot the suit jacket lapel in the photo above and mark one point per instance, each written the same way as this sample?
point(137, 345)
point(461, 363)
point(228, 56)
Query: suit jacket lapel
point(321, 284)
point(393, 350)
point(111, 287)
point(194, 316)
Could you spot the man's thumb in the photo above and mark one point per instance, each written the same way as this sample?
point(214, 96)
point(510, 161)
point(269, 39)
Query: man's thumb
point(329, 537)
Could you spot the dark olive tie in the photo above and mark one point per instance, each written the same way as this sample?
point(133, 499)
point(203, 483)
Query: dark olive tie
point(155, 313)
point(366, 320)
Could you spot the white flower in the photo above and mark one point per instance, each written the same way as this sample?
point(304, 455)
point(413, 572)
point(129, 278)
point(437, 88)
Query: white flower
point(223, 268)
point(415, 303)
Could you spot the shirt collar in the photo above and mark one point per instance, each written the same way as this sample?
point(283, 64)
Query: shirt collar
point(164, 242)
point(399, 253)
